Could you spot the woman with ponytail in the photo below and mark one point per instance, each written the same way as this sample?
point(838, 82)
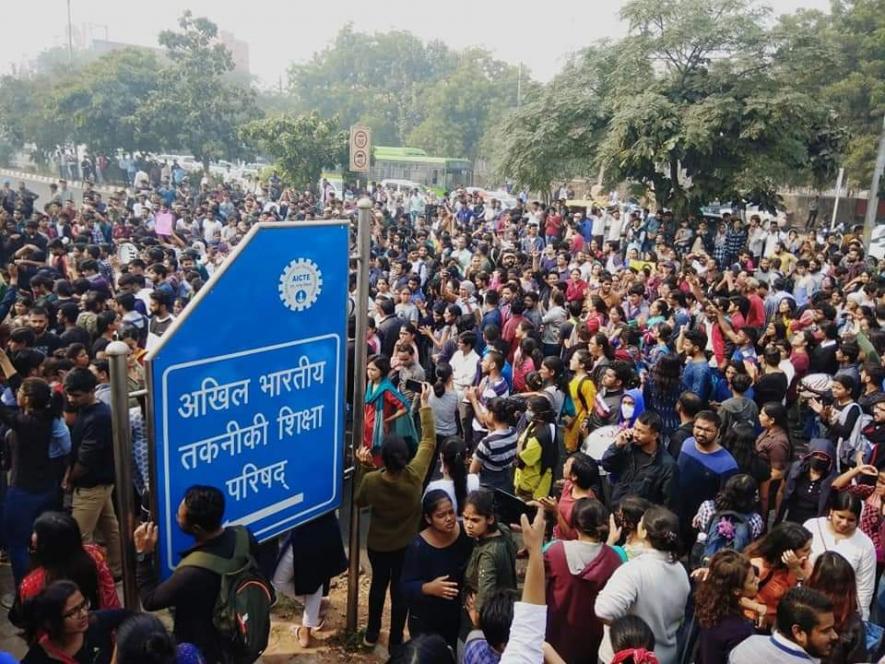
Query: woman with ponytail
point(444, 402)
point(576, 571)
point(34, 473)
point(653, 586)
point(536, 453)
point(455, 480)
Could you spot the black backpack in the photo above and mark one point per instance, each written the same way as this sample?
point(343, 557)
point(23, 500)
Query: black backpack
point(242, 609)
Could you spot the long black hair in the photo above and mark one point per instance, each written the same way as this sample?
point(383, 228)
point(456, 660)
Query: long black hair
point(540, 428)
point(453, 458)
point(60, 553)
point(143, 639)
point(45, 612)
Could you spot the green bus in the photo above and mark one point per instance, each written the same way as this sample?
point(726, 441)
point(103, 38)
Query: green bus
point(439, 174)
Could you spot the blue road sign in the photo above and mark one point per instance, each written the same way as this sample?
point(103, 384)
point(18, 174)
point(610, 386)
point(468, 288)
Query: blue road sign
point(247, 386)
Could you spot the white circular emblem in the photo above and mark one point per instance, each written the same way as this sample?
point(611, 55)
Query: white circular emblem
point(300, 284)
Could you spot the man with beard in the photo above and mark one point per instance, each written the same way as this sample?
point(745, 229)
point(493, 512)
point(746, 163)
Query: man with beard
point(805, 632)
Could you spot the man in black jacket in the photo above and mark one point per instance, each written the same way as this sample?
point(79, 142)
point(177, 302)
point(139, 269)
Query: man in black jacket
point(388, 325)
point(641, 465)
point(91, 472)
point(823, 358)
point(191, 590)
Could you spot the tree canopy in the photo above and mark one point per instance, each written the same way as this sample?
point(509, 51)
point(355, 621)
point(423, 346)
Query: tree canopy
point(694, 104)
point(301, 146)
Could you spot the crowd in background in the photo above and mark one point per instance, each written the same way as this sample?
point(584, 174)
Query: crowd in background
point(664, 430)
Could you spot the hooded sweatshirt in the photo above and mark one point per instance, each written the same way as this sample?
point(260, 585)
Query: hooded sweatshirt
point(798, 476)
point(738, 409)
point(576, 572)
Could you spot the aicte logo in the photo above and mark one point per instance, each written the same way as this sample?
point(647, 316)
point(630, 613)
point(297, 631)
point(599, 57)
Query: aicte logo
point(300, 284)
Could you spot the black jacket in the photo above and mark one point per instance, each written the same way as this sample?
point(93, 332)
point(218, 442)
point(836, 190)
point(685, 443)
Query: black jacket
point(633, 473)
point(823, 360)
point(92, 445)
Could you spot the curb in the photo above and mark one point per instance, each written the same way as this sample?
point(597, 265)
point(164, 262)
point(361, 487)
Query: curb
point(45, 179)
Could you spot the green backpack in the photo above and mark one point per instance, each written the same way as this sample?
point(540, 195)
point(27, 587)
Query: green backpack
point(242, 609)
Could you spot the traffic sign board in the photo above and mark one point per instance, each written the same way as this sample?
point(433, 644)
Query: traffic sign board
point(247, 386)
point(360, 148)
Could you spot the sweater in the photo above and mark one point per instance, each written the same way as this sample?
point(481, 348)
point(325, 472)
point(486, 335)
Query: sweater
point(716, 642)
point(858, 550)
point(576, 572)
point(652, 587)
point(774, 648)
point(395, 499)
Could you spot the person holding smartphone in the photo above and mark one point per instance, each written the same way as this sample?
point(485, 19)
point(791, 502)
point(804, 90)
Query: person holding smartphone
point(641, 463)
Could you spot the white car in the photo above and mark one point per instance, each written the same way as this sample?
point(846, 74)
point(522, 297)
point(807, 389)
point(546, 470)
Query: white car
point(508, 201)
point(404, 186)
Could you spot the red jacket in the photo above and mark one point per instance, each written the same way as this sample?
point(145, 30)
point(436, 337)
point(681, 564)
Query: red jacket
point(573, 629)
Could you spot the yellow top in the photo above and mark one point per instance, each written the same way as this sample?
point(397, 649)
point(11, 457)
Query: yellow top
point(529, 480)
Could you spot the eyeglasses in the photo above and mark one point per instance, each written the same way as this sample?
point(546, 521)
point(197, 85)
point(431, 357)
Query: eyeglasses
point(81, 609)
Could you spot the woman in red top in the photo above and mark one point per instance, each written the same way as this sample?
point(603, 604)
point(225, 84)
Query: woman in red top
point(576, 288)
point(582, 475)
point(384, 406)
point(781, 559)
point(576, 571)
point(526, 360)
point(58, 553)
point(596, 317)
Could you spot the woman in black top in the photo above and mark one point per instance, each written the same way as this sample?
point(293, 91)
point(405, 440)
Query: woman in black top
point(772, 384)
point(730, 578)
point(434, 568)
point(34, 479)
point(60, 627)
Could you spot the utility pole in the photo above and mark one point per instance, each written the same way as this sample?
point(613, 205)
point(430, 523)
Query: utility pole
point(70, 37)
point(838, 196)
point(873, 198)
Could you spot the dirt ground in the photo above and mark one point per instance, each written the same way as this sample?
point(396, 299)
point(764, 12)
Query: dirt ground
point(331, 645)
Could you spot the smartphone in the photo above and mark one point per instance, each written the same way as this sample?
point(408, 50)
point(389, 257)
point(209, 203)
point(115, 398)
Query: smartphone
point(508, 507)
point(414, 385)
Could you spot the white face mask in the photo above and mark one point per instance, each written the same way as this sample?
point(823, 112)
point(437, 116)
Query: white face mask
point(627, 410)
point(529, 415)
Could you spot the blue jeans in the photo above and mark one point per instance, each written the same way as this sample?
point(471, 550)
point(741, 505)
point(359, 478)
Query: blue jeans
point(22, 509)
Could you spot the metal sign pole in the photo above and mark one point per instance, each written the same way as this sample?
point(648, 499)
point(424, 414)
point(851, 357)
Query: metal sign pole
point(364, 232)
point(117, 352)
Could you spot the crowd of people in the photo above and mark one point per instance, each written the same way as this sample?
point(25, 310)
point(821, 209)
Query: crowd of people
point(695, 404)
point(665, 431)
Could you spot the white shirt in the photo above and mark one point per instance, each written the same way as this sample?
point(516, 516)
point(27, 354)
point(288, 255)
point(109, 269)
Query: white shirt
point(210, 227)
point(526, 642)
point(449, 487)
point(858, 550)
point(464, 369)
point(614, 229)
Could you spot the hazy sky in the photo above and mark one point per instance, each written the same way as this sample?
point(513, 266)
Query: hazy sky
point(280, 32)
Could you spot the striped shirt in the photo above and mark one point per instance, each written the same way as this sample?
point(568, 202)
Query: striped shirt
point(497, 450)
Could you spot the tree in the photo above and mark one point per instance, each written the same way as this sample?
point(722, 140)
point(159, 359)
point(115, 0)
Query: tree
point(713, 123)
point(102, 102)
point(301, 146)
point(26, 116)
point(194, 107)
point(839, 60)
point(553, 135)
point(460, 108)
point(378, 79)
